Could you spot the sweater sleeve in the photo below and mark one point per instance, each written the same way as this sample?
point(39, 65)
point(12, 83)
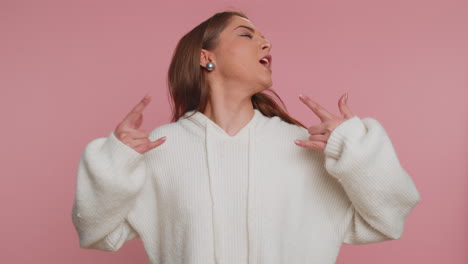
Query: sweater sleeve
point(360, 155)
point(110, 176)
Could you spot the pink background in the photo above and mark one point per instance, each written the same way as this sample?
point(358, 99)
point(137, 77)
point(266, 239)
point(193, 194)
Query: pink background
point(71, 70)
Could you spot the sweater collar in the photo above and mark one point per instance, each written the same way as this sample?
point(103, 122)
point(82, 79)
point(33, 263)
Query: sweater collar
point(203, 121)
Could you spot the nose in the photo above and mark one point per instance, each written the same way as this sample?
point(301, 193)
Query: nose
point(267, 44)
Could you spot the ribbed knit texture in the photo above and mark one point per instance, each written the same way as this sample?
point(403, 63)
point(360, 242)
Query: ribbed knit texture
point(205, 197)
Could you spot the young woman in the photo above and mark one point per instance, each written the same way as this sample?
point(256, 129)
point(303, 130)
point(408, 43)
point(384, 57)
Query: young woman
point(226, 181)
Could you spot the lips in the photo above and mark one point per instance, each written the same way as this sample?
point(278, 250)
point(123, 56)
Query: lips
point(268, 57)
point(267, 66)
point(266, 61)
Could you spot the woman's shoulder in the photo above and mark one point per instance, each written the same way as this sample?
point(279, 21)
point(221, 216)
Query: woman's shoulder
point(165, 130)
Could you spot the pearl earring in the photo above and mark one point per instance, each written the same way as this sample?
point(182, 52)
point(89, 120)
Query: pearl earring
point(210, 66)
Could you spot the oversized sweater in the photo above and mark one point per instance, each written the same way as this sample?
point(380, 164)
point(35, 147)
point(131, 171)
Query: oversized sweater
point(205, 197)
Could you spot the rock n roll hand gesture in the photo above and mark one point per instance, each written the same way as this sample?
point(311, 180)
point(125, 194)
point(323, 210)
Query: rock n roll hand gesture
point(321, 133)
point(129, 133)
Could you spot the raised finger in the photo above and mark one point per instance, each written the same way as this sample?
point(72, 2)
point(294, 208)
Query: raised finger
point(139, 121)
point(321, 112)
point(344, 108)
point(134, 115)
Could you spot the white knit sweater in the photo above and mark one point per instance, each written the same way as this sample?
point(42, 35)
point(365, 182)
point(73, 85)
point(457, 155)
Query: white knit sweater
point(207, 197)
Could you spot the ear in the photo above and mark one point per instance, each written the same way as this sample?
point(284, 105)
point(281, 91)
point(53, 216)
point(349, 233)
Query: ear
point(204, 58)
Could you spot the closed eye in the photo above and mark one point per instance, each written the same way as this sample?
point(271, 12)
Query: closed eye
point(250, 36)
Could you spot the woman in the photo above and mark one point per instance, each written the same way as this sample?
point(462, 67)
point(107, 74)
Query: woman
point(228, 185)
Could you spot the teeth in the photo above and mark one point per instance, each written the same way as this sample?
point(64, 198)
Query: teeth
point(266, 60)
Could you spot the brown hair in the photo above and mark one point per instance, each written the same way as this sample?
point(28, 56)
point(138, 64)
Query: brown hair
point(187, 85)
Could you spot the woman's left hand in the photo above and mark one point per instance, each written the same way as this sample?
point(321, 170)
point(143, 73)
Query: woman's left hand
point(320, 133)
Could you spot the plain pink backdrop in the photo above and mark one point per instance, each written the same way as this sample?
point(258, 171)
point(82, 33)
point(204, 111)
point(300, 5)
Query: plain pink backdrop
point(71, 70)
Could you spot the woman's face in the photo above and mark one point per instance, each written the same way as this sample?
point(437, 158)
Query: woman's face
point(237, 58)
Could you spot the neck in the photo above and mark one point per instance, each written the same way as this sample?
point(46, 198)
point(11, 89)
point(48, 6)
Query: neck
point(230, 111)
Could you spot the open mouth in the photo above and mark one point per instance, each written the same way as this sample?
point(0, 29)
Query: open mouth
point(266, 63)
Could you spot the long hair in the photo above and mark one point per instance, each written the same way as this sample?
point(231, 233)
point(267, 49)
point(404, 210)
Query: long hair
point(187, 85)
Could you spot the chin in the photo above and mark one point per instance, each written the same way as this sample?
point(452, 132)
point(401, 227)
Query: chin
point(268, 83)
point(265, 86)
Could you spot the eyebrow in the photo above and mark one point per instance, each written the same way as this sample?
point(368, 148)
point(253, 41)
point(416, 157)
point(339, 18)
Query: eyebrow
point(249, 28)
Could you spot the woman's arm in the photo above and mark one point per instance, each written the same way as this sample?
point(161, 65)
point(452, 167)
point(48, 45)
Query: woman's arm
point(360, 155)
point(109, 179)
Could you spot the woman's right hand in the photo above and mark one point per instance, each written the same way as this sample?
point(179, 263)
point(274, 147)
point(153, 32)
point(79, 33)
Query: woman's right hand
point(128, 133)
